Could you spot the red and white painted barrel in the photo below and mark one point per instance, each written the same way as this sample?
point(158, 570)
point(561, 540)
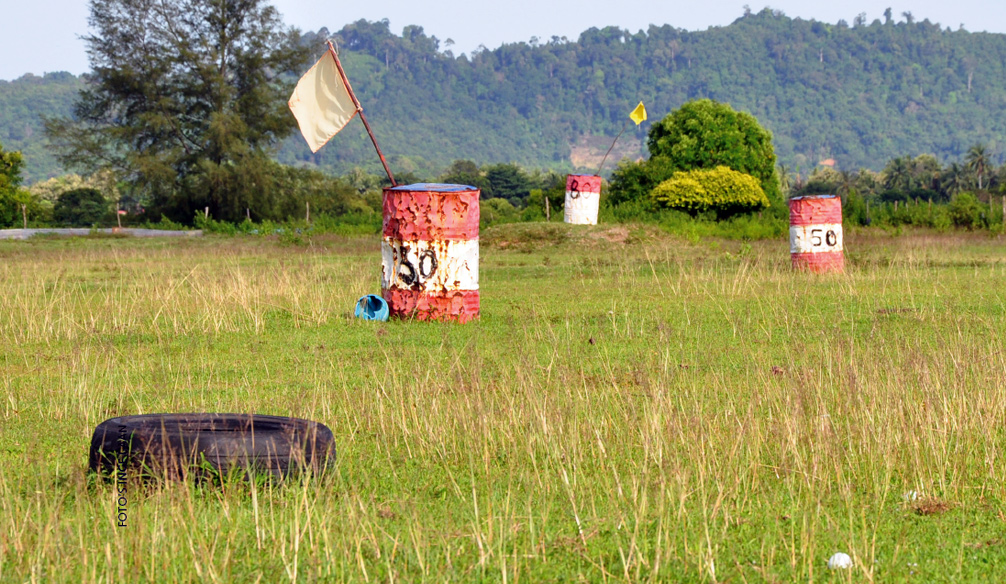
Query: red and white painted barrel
point(430, 251)
point(815, 233)
point(583, 194)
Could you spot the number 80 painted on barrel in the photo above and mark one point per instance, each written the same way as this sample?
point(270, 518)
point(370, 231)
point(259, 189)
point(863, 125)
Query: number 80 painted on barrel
point(583, 195)
point(815, 233)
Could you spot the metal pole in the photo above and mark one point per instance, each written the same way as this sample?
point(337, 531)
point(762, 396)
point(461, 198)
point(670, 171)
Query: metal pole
point(359, 110)
point(624, 126)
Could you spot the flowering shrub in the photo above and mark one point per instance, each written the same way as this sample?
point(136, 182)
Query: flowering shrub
point(720, 190)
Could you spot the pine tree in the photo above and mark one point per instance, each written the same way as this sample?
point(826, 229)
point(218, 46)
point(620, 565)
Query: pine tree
point(186, 98)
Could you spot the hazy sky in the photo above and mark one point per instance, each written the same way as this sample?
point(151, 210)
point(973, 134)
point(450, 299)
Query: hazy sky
point(38, 36)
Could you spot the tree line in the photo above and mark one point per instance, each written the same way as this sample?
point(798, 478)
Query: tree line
point(906, 178)
point(908, 191)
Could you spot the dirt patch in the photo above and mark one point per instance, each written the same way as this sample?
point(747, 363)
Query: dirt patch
point(527, 237)
point(385, 512)
point(612, 234)
point(931, 506)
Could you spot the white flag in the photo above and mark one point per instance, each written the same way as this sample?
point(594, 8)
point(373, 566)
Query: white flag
point(322, 103)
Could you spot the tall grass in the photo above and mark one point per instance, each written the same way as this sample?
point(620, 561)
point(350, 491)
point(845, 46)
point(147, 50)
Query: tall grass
point(629, 407)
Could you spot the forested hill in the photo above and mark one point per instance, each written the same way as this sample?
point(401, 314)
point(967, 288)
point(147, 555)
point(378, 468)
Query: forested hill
point(860, 93)
point(22, 102)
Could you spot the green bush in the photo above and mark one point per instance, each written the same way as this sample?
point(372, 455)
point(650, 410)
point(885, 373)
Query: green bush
point(965, 211)
point(497, 210)
point(297, 187)
point(629, 212)
point(706, 134)
point(911, 213)
point(854, 209)
point(766, 225)
point(259, 187)
point(353, 223)
point(534, 210)
point(699, 135)
point(723, 191)
point(916, 214)
point(164, 224)
point(633, 181)
point(80, 208)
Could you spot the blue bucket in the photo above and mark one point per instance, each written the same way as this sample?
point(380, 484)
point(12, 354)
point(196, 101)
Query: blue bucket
point(372, 307)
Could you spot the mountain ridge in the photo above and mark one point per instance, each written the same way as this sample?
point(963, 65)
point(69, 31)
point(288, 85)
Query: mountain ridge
point(858, 94)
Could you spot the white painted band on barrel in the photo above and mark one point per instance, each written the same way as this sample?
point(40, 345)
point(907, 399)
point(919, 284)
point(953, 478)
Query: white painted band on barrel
point(434, 266)
point(581, 208)
point(815, 238)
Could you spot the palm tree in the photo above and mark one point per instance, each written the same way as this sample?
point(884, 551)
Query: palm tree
point(898, 175)
point(866, 182)
point(978, 161)
point(925, 170)
point(952, 180)
point(846, 182)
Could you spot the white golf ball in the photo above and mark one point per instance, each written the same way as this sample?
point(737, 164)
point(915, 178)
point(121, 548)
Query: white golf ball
point(839, 561)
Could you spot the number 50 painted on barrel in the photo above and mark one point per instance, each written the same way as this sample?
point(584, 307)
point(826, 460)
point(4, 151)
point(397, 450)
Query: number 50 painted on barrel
point(815, 233)
point(815, 238)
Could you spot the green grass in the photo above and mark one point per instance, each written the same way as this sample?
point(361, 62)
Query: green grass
point(629, 407)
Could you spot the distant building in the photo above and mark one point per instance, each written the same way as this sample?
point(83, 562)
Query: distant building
point(828, 162)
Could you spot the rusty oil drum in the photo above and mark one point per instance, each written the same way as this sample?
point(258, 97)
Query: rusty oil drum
point(430, 251)
point(583, 196)
point(815, 233)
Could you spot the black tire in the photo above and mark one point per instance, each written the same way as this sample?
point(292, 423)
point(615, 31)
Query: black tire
point(182, 445)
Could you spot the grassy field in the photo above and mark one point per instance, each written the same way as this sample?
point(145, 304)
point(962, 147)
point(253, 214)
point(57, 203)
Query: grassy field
point(629, 408)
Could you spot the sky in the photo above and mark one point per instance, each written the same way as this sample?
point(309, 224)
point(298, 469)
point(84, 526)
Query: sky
point(40, 36)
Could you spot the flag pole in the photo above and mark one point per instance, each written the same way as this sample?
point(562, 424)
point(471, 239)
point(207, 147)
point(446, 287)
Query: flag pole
point(624, 126)
point(359, 110)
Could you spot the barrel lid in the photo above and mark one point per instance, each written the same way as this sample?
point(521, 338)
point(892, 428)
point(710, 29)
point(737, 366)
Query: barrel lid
point(802, 197)
point(434, 187)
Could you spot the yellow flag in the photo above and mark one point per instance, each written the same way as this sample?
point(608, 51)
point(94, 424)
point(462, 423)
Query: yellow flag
point(321, 103)
point(638, 115)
